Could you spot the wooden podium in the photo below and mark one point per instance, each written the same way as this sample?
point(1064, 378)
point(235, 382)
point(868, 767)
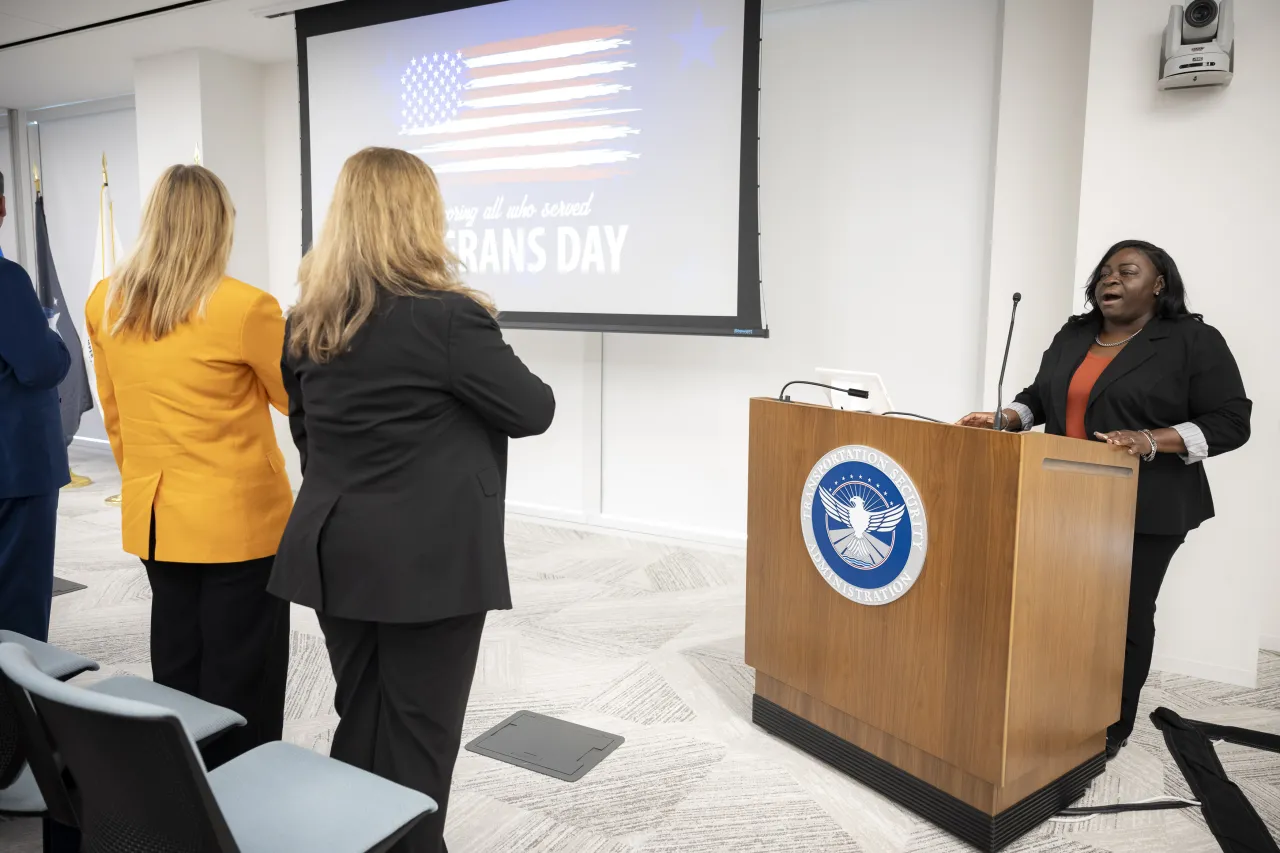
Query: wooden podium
point(980, 698)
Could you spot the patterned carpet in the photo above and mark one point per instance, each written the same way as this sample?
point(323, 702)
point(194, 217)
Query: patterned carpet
point(645, 640)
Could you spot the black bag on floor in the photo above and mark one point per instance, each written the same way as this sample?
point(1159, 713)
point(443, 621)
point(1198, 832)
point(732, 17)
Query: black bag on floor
point(1231, 817)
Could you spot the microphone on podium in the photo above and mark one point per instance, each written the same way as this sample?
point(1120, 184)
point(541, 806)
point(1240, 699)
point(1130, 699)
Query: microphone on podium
point(852, 392)
point(999, 421)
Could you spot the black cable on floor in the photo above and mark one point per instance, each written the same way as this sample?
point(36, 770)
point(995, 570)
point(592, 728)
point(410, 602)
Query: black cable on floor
point(1128, 807)
point(1083, 813)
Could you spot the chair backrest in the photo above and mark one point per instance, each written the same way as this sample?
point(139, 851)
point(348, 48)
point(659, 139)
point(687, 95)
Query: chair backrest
point(141, 783)
point(26, 742)
point(13, 752)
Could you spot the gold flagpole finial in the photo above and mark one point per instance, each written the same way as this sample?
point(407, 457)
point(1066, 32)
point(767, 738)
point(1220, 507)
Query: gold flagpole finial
point(197, 155)
point(104, 167)
point(35, 177)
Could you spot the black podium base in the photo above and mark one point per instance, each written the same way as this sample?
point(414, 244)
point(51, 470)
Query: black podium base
point(955, 816)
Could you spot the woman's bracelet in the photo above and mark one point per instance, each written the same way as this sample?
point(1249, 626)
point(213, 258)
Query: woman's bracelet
point(1155, 448)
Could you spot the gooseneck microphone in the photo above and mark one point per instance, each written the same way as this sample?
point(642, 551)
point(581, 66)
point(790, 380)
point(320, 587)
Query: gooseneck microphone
point(852, 392)
point(999, 421)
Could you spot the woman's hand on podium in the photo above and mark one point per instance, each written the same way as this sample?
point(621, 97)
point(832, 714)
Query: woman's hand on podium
point(1131, 441)
point(1145, 442)
point(987, 420)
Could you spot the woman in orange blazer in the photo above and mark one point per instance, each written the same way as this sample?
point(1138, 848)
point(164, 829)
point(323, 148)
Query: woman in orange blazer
point(188, 365)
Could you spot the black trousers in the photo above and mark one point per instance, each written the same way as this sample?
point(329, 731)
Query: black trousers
point(27, 530)
point(402, 696)
point(1151, 557)
point(217, 634)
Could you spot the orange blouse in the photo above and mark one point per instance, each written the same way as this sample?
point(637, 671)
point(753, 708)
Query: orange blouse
point(1082, 382)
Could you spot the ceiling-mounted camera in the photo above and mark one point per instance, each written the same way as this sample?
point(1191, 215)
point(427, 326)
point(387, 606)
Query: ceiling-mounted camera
point(1199, 45)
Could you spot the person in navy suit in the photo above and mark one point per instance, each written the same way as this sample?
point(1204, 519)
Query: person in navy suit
point(33, 451)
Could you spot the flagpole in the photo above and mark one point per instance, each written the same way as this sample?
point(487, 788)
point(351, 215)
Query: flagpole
point(114, 500)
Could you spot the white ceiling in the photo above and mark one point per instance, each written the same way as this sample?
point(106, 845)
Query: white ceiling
point(20, 19)
point(98, 63)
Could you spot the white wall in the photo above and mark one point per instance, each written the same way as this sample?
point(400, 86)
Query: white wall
point(283, 162)
point(71, 151)
point(232, 119)
point(282, 150)
point(557, 475)
point(205, 99)
point(1044, 83)
point(166, 91)
point(1198, 173)
point(874, 218)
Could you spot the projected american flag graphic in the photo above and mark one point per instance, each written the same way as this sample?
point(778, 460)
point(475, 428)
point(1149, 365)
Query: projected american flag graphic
point(594, 156)
point(556, 106)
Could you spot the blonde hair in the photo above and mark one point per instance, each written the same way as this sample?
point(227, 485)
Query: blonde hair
point(385, 231)
point(180, 257)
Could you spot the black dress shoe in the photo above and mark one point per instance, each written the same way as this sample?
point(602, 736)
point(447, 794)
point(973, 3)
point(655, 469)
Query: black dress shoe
point(1114, 746)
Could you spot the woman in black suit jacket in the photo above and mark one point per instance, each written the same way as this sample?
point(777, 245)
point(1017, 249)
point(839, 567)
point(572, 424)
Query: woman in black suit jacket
point(402, 396)
point(1144, 374)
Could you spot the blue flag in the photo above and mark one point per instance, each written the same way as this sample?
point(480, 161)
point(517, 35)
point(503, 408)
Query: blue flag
point(76, 396)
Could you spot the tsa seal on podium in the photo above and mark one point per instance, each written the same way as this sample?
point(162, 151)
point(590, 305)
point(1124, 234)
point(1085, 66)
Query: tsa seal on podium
point(864, 524)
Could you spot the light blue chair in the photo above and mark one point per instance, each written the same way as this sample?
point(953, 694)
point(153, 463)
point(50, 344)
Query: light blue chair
point(51, 660)
point(19, 795)
point(144, 789)
point(30, 781)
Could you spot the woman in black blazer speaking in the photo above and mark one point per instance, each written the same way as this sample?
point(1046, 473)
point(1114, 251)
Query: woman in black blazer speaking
point(402, 395)
point(1142, 373)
